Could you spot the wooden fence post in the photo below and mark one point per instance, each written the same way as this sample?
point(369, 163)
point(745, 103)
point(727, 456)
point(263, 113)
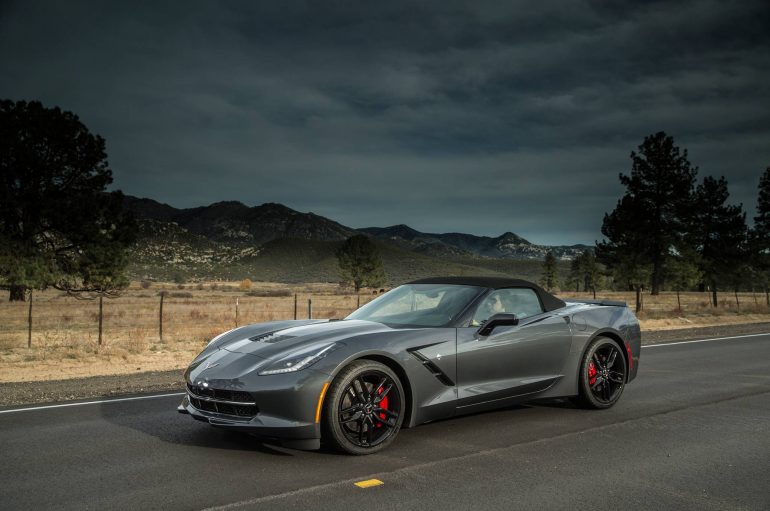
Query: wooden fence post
point(101, 316)
point(295, 305)
point(309, 308)
point(29, 322)
point(358, 301)
point(160, 317)
point(236, 312)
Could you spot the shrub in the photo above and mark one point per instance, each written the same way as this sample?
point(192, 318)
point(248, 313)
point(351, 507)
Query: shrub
point(197, 315)
point(145, 284)
point(245, 285)
point(271, 293)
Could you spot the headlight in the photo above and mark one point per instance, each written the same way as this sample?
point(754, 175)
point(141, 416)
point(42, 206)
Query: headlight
point(298, 361)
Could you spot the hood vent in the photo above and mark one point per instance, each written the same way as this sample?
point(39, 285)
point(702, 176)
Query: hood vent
point(270, 337)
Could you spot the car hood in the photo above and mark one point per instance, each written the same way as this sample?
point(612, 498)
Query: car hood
point(283, 341)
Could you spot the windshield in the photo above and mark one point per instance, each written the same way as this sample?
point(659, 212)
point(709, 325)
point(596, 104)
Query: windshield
point(419, 305)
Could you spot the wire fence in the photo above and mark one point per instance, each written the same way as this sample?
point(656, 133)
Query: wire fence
point(138, 322)
point(159, 319)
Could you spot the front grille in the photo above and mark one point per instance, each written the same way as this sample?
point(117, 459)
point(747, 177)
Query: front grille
point(227, 402)
point(222, 395)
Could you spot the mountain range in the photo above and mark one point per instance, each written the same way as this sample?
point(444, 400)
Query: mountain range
point(229, 240)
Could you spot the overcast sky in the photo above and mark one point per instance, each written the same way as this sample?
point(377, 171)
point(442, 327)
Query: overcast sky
point(478, 117)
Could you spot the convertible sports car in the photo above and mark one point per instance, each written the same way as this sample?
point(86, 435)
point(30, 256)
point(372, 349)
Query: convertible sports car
point(427, 350)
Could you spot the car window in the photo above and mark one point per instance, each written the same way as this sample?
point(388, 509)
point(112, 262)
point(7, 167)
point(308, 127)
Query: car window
point(520, 301)
point(411, 302)
point(419, 305)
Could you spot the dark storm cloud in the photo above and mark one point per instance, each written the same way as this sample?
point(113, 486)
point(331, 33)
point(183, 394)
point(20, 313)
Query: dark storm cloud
point(480, 117)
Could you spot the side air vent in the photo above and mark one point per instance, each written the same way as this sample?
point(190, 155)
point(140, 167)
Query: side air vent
point(433, 368)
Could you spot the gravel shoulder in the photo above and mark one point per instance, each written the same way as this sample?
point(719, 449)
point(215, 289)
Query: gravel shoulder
point(23, 393)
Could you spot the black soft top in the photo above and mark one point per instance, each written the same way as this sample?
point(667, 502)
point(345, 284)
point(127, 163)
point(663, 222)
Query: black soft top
point(549, 301)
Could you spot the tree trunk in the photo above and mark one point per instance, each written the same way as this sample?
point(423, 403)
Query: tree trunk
point(29, 321)
point(638, 299)
point(656, 270)
point(714, 295)
point(594, 290)
point(18, 294)
point(737, 303)
point(101, 318)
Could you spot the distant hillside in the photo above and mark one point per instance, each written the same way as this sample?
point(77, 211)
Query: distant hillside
point(505, 246)
point(236, 222)
point(271, 242)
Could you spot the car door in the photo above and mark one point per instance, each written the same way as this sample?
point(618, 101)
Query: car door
point(512, 361)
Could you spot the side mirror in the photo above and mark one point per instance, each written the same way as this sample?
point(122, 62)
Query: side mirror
point(497, 320)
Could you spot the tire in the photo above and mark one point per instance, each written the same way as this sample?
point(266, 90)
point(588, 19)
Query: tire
point(364, 408)
point(600, 389)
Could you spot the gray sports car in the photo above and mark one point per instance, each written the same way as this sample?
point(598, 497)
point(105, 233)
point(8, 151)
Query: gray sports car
point(427, 350)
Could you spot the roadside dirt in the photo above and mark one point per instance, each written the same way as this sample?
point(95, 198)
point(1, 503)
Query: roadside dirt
point(30, 392)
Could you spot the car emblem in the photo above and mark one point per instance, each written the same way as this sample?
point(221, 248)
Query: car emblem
point(210, 365)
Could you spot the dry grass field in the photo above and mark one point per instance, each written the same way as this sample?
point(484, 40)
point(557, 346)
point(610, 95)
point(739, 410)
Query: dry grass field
point(65, 330)
point(64, 342)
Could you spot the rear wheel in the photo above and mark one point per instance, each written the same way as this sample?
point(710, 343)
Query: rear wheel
point(602, 374)
point(364, 409)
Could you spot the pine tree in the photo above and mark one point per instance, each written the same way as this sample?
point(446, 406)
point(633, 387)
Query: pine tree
point(652, 217)
point(575, 275)
point(682, 273)
point(623, 253)
point(719, 235)
point(590, 271)
point(550, 278)
point(59, 226)
point(360, 262)
point(762, 220)
point(760, 236)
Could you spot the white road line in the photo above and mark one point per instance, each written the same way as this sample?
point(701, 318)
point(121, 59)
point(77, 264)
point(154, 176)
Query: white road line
point(136, 398)
point(63, 405)
point(703, 340)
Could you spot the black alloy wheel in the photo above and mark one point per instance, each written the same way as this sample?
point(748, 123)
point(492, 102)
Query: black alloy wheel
point(602, 374)
point(365, 408)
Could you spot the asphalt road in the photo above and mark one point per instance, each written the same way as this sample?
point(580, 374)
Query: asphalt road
point(691, 432)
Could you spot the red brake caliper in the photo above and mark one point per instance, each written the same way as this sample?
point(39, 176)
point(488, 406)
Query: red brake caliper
point(383, 404)
point(591, 373)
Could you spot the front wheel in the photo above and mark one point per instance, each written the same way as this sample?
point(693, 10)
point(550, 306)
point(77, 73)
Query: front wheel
point(602, 374)
point(364, 409)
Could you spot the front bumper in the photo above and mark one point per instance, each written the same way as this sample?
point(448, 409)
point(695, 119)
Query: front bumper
point(302, 435)
point(287, 405)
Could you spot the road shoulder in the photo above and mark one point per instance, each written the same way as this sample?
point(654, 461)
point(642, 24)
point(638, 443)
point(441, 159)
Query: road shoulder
point(24, 393)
